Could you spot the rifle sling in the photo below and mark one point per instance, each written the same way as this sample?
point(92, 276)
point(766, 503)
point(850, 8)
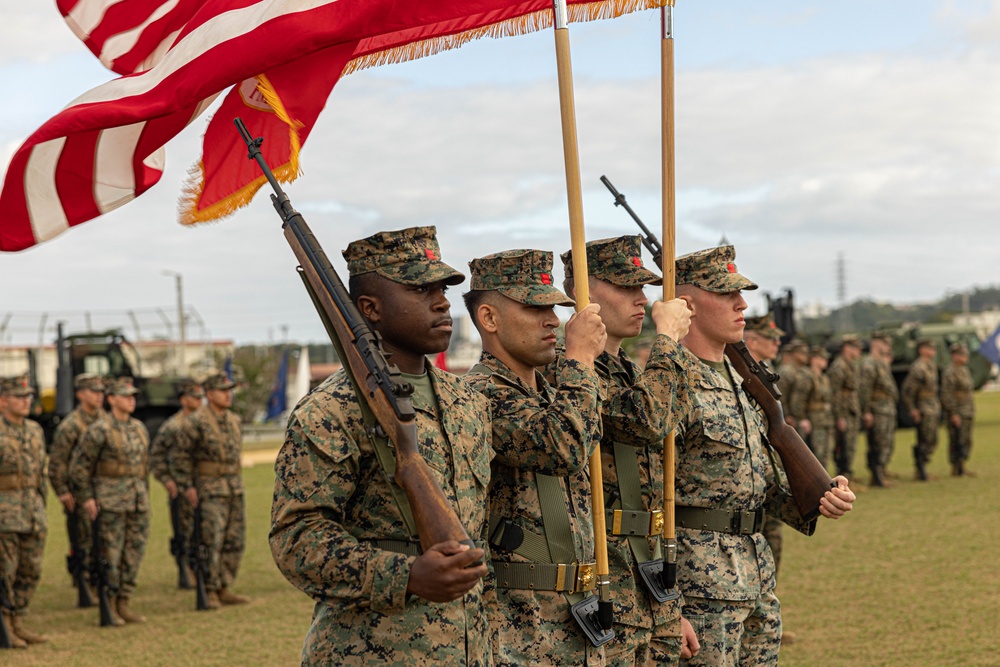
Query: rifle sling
point(627, 467)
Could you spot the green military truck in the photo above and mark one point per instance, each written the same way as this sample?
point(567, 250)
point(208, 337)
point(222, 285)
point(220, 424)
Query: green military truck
point(110, 354)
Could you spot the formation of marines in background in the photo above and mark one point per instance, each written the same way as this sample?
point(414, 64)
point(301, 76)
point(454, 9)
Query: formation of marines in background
point(509, 445)
point(99, 465)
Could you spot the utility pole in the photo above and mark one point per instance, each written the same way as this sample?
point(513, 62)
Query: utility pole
point(178, 280)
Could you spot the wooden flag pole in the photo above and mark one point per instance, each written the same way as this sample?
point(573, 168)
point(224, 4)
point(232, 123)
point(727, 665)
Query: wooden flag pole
point(571, 156)
point(669, 274)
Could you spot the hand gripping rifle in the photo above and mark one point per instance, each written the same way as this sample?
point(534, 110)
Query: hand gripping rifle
point(198, 557)
point(376, 382)
point(178, 543)
point(100, 573)
point(6, 607)
point(76, 561)
point(807, 478)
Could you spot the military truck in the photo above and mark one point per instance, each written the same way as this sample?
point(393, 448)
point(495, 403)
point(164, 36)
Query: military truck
point(904, 348)
point(110, 354)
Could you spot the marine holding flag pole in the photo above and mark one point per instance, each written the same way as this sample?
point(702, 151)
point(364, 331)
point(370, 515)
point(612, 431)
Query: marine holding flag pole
point(667, 266)
point(598, 626)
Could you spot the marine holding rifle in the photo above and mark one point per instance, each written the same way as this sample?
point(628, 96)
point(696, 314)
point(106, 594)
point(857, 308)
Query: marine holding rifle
point(727, 481)
point(23, 521)
point(540, 526)
point(637, 411)
point(109, 470)
point(339, 530)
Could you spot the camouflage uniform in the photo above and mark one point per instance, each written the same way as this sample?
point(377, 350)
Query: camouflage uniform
point(67, 436)
point(111, 465)
point(638, 409)
point(877, 394)
point(168, 436)
point(811, 399)
point(724, 463)
point(337, 532)
point(544, 434)
point(956, 399)
point(209, 458)
point(920, 392)
point(844, 382)
point(23, 521)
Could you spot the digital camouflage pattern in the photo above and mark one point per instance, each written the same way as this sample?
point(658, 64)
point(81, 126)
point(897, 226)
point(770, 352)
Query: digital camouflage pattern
point(522, 275)
point(638, 409)
point(23, 521)
point(122, 496)
point(723, 462)
point(811, 399)
point(957, 399)
point(409, 256)
point(67, 436)
point(551, 431)
point(213, 440)
point(844, 382)
point(712, 269)
point(746, 639)
point(168, 437)
point(332, 500)
point(920, 392)
point(877, 394)
point(617, 261)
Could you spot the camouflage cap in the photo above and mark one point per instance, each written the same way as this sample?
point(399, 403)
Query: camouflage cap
point(522, 275)
point(818, 351)
point(91, 381)
point(958, 348)
point(189, 387)
point(617, 261)
point(123, 386)
point(924, 342)
point(18, 386)
point(796, 345)
point(713, 270)
point(217, 381)
point(852, 340)
point(764, 326)
point(884, 337)
point(409, 256)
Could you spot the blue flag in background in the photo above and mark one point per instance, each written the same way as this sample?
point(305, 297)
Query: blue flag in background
point(228, 367)
point(277, 403)
point(991, 347)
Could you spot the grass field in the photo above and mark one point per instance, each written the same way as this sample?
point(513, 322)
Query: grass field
point(911, 577)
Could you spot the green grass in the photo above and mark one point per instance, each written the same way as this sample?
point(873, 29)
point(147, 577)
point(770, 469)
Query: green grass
point(910, 577)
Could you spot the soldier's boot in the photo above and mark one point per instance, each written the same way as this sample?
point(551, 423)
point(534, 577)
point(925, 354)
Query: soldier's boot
point(877, 479)
point(17, 628)
point(228, 597)
point(116, 620)
point(212, 600)
point(15, 641)
point(127, 614)
point(921, 475)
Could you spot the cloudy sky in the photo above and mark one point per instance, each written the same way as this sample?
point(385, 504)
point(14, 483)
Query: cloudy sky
point(805, 130)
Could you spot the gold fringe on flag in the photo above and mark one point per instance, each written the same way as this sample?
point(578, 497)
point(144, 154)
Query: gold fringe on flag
point(190, 214)
point(288, 172)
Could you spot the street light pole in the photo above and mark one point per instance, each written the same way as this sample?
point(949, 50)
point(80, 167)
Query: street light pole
point(179, 358)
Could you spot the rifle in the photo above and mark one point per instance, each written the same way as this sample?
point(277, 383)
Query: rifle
point(76, 561)
point(178, 543)
point(100, 573)
point(198, 556)
point(6, 605)
point(807, 478)
point(376, 382)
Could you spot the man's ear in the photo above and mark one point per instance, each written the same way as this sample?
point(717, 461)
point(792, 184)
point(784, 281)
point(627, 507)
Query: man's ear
point(488, 316)
point(370, 307)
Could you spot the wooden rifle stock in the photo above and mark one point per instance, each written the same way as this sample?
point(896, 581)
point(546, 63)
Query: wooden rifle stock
point(807, 477)
point(376, 382)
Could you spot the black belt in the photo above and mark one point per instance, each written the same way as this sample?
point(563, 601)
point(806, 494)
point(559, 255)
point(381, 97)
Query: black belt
point(734, 522)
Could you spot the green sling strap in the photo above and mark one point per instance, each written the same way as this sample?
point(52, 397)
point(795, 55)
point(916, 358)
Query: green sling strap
point(627, 467)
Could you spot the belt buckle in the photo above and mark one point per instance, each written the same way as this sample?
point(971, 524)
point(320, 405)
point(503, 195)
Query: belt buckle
point(586, 578)
point(739, 522)
point(616, 522)
point(656, 521)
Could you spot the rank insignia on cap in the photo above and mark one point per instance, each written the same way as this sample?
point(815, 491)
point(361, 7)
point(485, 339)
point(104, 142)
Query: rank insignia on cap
point(637, 261)
point(731, 267)
point(429, 253)
point(546, 279)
